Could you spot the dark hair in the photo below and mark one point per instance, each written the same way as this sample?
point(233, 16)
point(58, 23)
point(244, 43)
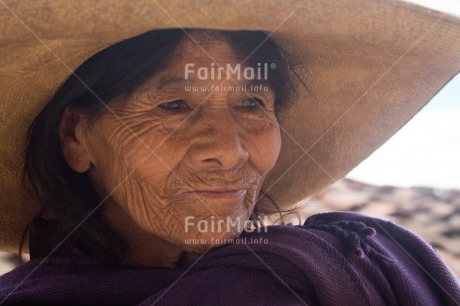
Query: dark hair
point(116, 72)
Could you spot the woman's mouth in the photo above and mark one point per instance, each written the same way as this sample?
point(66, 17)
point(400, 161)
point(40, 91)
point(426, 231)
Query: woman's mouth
point(220, 194)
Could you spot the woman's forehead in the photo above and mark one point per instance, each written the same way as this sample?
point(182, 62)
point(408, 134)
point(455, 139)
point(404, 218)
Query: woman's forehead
point(166, 81)
point(209, 59)
point(213, 51)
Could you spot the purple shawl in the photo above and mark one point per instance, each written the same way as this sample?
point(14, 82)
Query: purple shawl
point(333, 259)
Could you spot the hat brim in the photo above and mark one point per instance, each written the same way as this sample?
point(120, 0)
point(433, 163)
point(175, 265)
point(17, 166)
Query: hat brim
point(367, 66)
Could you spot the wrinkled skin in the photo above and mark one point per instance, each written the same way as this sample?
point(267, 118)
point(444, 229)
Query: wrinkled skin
point(153, 148)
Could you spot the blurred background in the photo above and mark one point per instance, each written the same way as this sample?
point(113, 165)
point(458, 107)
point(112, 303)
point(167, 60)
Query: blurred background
point(412, 180)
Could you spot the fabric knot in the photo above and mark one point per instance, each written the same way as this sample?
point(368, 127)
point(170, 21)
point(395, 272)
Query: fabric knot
point(352, 233)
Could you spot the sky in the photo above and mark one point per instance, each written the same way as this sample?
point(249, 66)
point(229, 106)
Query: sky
point(426, 151)
point(449, 6)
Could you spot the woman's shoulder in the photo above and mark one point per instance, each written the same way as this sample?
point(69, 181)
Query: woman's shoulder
point(371, 261)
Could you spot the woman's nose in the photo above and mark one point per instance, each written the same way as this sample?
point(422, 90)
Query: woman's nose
point(218, 144)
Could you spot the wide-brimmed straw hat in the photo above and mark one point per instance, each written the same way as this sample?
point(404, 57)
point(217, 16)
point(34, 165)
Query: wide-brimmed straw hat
point(369, 65)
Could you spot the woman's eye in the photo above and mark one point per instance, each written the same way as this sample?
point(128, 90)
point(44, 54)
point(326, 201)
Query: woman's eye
point(174, 105)
point(253, 103)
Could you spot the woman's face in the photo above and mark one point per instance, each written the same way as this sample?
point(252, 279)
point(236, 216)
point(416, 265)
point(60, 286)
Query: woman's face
point(178, 162)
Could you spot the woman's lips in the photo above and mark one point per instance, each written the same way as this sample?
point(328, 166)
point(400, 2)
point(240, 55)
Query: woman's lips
point(221, 194)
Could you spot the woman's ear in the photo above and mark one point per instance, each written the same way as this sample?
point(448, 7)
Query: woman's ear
point(72, 145)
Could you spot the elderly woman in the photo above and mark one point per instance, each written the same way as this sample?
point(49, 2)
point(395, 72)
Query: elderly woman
point(169, 161)
point(156, 165)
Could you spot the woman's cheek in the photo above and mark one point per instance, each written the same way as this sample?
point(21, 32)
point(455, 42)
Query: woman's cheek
point(264, 141)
